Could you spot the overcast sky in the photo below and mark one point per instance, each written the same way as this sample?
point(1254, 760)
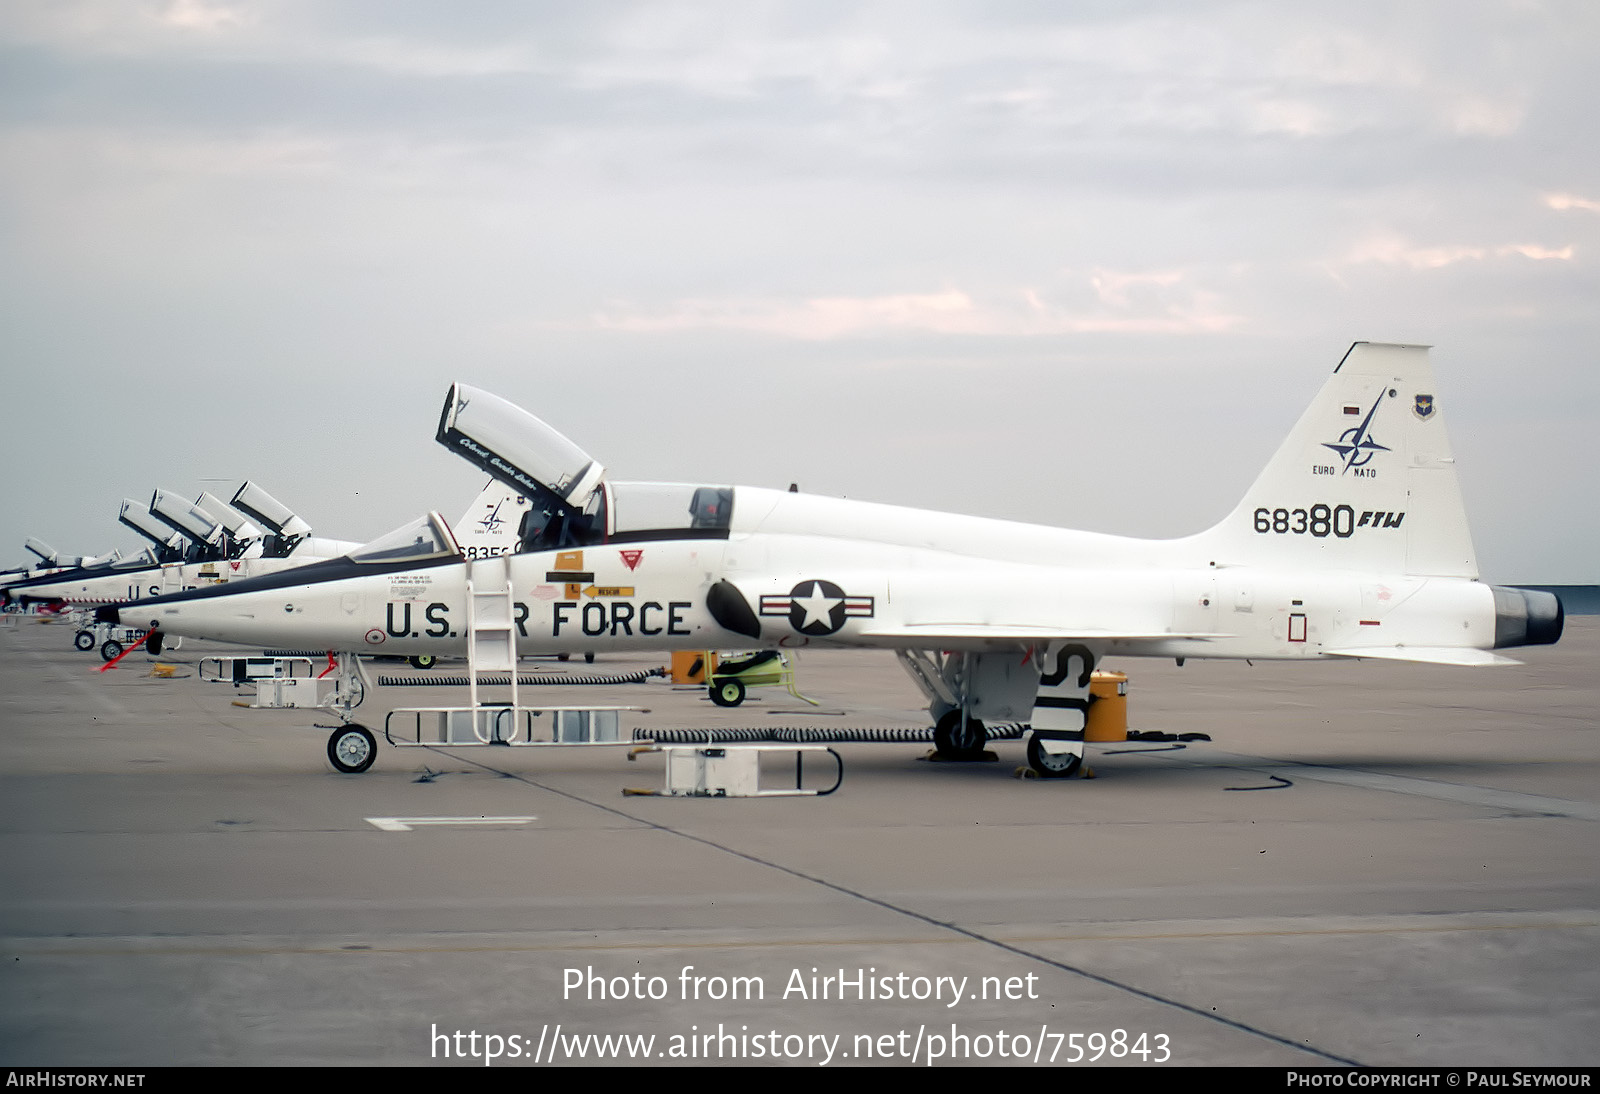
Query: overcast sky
point(1077, 263)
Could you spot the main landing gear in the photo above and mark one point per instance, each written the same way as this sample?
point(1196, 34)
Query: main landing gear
point(964, 688)
point(1045, 686)
point(959, 736)
point(1051, 765)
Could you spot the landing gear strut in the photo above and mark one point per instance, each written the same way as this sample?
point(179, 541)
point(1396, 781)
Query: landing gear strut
point(351, 748)
point(1045, 685)
point(963, 688)
point(959, 736)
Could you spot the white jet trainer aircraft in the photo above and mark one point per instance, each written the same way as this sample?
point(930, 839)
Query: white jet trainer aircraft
point(1353, 542)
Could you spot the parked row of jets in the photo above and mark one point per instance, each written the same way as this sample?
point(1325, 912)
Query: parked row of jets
point(1352, 543)
point(208, 543)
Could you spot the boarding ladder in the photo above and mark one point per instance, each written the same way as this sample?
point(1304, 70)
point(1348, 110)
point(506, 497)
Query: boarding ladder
point(491, 651)
point(491, 623)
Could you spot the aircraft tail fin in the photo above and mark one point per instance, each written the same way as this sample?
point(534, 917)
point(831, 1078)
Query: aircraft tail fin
point(490, 525)
point(1365, 481)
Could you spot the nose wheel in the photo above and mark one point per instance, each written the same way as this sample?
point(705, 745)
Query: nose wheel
point(352, 748)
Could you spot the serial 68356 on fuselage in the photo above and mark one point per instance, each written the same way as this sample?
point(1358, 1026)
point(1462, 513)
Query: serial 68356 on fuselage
point(1352, 542)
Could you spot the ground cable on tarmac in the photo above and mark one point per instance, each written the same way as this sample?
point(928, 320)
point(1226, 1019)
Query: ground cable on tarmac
point(811, 734)
point(504, 679)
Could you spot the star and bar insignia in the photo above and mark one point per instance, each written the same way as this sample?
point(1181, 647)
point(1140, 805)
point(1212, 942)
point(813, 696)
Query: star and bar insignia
point(817, 607)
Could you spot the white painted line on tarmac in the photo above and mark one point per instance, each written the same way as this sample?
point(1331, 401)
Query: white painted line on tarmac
point(406, 824)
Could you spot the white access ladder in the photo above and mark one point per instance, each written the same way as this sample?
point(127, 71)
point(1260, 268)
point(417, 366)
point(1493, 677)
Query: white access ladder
point(491, 624)
point(492, 652)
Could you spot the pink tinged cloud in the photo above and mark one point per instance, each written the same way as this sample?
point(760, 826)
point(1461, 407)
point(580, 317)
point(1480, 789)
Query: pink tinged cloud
point(952, 312)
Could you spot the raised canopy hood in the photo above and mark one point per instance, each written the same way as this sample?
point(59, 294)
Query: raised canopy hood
point(517, 448)
point(272, 513)
point(182, 515)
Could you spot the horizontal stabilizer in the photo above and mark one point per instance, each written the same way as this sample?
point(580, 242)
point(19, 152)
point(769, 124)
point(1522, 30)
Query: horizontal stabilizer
point(1428, 655)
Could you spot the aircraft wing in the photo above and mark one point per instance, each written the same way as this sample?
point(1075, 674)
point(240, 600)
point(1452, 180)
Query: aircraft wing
point(1428, 655)
point(1001, 605)
point(934, 633)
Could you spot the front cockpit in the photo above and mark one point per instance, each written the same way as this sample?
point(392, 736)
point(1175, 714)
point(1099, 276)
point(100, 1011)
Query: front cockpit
point(423, 539)
point(629, 512)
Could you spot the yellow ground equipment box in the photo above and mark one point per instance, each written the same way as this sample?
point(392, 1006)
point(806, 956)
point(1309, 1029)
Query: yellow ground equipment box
point(689, 666)
point(1108, 707)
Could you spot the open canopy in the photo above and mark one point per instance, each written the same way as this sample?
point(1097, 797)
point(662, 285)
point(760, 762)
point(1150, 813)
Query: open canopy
point(47, 554)
point(237, 524)
point(138, 518)
point(182, 515)
point(517, 448)
point(275, 516)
